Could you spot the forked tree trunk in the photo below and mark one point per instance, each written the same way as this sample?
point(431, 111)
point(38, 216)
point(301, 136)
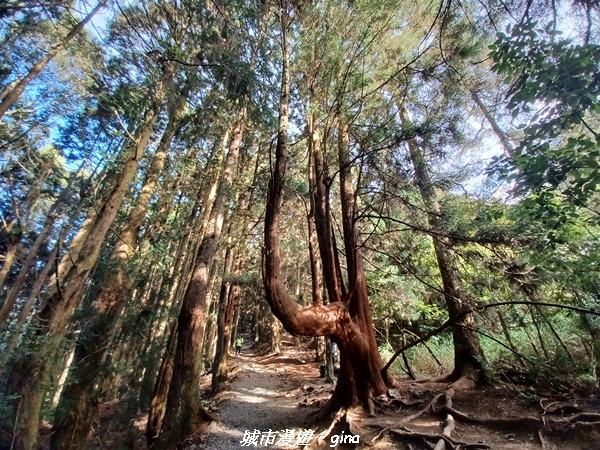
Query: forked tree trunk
point(362, 377)
point(347, 319)
point(30, 375)
point(185, 412)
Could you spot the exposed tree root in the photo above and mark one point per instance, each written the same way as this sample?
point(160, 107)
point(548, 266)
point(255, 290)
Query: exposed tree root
point(344, 421)
point(519, 422)
point(354, 421)
point(463, 383)
point(440, 379)
point(542, 441)
point(445, 439)
point(393, 400)
point(436, 437)
point(341, 415)
point(430, 406)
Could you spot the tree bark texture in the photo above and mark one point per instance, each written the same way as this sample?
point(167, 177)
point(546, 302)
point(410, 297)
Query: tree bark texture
point(468, 356)
point(185, 413)
point(346, 318)
point(31, 373)
point(158, 404)
point(73, 417)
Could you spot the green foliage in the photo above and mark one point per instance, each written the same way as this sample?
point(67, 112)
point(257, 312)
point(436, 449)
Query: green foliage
point(555, 86)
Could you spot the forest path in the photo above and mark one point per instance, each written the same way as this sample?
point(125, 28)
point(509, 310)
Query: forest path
point(264, 396)
point(273, 392)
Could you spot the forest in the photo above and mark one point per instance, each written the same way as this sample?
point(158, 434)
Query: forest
point(413, 182)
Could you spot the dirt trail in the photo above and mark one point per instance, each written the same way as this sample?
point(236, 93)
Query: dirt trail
point(264, 396)
point(267, 391)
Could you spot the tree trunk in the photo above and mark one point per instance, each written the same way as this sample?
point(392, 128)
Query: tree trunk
point(158, 405)
point(210, 327)
point(11, 297)
point(10, 97)
point(53, 213)
point(18, 329)
point(73, 417)
point(468, 356)
point(9, 260)
point(230, 291)
point(184, 406)
point(346, 318)
point(31, 373)
point(220, 368)
point(275, 336)
point(490, 119)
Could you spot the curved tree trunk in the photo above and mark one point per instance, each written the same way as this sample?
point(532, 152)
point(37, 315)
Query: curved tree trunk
point(346, 318)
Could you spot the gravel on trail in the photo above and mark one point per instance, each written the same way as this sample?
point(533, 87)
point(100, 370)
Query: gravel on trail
point(262, 405)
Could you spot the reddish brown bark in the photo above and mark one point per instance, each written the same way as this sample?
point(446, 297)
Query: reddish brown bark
point(346, 319)
point(185, 413)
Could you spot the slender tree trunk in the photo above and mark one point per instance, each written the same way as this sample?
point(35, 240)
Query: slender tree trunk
point(211, 327)
point(30, 375)
point(16, 333)
point(275, 336)
point(230, 291)
point(52, 215)
point(74, 414)
point(490, 119)
point(360, 361)
point(184, 408)
point(226, 306)
point(224, 320)
point(9, 260)
point(236, 323)
point(11, 297)
point(10, 97)
point(158, 405)
point(469, 361)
